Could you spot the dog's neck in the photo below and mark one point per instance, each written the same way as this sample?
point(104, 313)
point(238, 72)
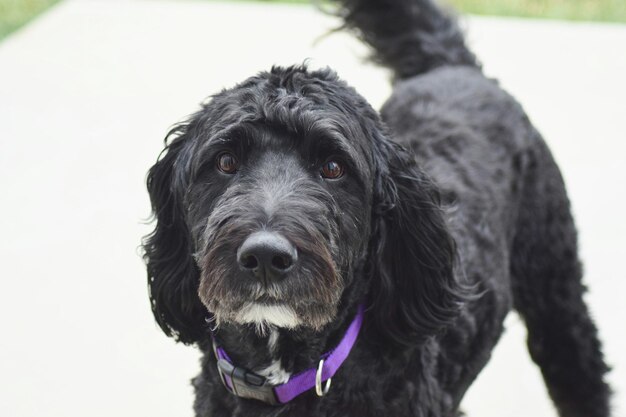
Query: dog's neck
point(279, 353)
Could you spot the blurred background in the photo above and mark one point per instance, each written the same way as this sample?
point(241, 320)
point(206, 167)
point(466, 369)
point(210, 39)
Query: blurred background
point(88, 90)
point(15, 13)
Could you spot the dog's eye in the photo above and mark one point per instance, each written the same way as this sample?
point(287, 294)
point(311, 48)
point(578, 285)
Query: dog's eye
point(227, 163)
point(332, 170)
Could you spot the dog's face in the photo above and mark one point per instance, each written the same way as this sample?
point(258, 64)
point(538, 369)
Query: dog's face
point(277, 218)
point(280, 200)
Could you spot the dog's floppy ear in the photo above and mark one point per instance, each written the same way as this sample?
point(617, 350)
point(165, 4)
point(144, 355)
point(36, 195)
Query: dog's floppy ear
point(172, 273)
point(414, 292)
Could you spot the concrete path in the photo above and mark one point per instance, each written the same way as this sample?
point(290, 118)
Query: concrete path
point(87, 93)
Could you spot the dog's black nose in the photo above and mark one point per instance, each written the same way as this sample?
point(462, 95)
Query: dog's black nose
point(267, 255)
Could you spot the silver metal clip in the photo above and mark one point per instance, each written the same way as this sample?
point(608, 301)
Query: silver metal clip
point(318, 381)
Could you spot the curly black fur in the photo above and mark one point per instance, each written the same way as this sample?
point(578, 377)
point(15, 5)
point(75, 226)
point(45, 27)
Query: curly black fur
point(441, 232)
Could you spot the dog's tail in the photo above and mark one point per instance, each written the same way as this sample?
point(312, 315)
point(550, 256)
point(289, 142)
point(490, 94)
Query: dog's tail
point(409, 36)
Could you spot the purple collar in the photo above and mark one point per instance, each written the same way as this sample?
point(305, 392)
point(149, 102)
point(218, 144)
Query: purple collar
point(246, 384)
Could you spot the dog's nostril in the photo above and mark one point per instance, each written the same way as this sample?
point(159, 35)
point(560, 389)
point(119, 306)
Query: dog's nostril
point(268, 256)
point(249, 261)
point(282, 262)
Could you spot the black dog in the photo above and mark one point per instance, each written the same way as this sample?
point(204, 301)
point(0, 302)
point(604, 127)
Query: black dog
point(289, 222)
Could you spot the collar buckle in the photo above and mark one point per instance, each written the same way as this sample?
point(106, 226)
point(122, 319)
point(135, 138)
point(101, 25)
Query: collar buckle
point(246, 384)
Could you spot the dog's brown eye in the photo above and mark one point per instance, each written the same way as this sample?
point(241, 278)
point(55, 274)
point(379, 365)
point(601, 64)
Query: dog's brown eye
point(227, 163)
point(332, 170)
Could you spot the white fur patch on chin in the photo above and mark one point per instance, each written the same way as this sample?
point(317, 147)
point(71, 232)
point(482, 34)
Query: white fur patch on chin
point(264, 315)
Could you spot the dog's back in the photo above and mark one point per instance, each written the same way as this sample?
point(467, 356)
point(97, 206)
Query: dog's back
point(509, 212)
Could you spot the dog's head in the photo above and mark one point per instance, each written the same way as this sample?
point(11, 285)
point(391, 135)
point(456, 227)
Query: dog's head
point(281, 199)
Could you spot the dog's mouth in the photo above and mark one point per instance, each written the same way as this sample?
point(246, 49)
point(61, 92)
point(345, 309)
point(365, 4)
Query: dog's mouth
point(274, 306)
point(266, 299)
point(263, 311)
point(263, 315)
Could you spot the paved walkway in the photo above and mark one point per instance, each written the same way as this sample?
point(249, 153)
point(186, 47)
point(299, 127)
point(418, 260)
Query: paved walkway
point(87, 93)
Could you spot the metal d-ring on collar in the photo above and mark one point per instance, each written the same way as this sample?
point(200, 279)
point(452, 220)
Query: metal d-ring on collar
point(246, 384)
point(318, 381)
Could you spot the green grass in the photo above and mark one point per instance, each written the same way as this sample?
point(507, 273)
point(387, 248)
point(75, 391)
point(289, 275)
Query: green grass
point(583, 10)
point(591, 10)
point(16, 13)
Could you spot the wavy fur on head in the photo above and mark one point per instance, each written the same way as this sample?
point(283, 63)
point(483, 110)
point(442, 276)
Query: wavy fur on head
point(208, 221)
point(448, 214)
